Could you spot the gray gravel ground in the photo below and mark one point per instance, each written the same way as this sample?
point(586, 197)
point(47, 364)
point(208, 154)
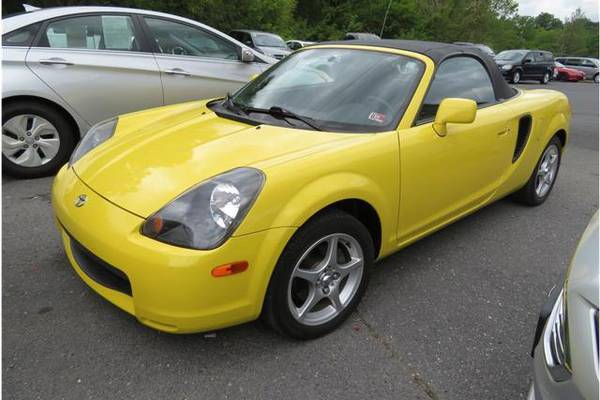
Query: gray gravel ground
point(450, 317)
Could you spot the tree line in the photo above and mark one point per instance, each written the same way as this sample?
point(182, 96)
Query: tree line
point(493, 22)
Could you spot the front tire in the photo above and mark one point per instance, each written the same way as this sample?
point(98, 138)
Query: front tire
point(320, 277)
point(596, 78)
point(516, 77)
point(545, 78)
point(36, 139)
point(540, 184)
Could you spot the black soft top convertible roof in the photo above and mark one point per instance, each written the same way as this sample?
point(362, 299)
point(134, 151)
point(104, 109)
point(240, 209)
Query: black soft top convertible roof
point(438, 52)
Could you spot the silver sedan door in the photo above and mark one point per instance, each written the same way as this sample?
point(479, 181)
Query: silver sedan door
point(96, 64)
point(195, 63)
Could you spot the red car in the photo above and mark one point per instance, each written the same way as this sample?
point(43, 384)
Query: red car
point(562, 73)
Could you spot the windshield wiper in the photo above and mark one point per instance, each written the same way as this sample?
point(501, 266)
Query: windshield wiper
point(279, 112)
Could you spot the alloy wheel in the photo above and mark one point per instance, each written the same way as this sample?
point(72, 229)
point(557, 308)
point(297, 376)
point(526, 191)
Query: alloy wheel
point(29, 140)
point(516, 77)
point(547, 169)
point(546, 77)
point(325, 279)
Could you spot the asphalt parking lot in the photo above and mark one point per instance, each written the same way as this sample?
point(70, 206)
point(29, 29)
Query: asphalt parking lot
point(450, 317)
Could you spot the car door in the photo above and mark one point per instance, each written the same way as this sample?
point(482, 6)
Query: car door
point(97, 64)
point(589, 68)
point(196, 63)
point(529, 65)
point(444, 177)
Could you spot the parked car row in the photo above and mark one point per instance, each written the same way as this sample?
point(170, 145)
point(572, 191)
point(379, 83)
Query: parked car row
point(540, 65)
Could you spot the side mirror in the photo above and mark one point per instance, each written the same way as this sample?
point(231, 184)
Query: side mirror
point(527, 61)
point(454, 111)
point(247, 56)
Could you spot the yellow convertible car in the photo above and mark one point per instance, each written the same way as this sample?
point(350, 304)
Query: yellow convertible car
point(275, 202)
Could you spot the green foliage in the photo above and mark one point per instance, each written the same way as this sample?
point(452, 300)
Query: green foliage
point(493, 22)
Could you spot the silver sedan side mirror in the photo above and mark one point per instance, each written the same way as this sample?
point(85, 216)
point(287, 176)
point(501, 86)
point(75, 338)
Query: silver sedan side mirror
point(247, 56)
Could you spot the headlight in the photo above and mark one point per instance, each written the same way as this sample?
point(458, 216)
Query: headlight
point(507, 67)
point(556, 341)
point(97, 135)
point(206, 215)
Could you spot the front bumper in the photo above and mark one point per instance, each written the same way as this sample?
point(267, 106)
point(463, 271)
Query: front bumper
point(171, 288)
point(544, 387)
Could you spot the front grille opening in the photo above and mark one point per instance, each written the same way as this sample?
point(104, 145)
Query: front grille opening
point(522, 136)
point(99, 270)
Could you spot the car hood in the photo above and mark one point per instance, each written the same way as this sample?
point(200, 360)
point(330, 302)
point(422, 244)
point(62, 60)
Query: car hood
point(271, 51)
point(582, 277)
point(504, 62)
point(156, 155)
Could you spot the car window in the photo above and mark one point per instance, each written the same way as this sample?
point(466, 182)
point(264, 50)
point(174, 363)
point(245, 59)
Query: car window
point(587, 63)
point(21, 37)
point(538, 57)
point(95, 32)
point(461, 77)
point(185, 40)
point(573, 61)
point(548, 57)
point(530, 56)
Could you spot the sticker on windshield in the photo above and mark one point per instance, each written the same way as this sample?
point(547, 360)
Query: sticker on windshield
point(377, 117)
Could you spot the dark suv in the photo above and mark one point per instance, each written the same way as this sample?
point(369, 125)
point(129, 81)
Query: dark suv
point(518, 65)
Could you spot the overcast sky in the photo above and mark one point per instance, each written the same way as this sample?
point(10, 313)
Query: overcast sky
point(560, 8)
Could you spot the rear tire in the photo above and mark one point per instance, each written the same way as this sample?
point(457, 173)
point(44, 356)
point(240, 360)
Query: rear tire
point(314, 288)
point(596, 78)
point(36, 139)
point(545, 78)
point(542, 179)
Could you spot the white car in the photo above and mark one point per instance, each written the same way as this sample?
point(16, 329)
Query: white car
point(65, 69)
point(565, 347)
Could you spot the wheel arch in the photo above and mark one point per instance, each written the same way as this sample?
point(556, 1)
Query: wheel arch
point(364, 212)
point(77, 129)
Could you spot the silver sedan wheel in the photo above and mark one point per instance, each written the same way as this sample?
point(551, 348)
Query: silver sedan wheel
point(547, 171)
point(325, 279)
point(29, 140)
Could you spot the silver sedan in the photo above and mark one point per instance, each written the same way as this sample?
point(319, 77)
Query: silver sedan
point(65, 69)
point(566, 342)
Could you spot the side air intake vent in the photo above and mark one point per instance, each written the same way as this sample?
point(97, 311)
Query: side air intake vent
point(523, 135)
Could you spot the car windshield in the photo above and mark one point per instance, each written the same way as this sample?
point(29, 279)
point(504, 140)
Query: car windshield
point(338, 89)
point(511, 55)
point(267, 40)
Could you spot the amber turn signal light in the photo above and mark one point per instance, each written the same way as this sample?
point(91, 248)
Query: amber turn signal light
point(229, 269)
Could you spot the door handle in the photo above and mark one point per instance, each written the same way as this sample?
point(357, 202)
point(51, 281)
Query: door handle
point(504, 132)
point(55, 61)
point(177, 71)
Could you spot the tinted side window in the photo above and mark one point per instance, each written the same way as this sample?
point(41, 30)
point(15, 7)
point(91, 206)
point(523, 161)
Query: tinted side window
point(588, 63)
point(184, 40)
point(94, 32)
point(21, 37)
point(548, 57)
point(462, 77)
